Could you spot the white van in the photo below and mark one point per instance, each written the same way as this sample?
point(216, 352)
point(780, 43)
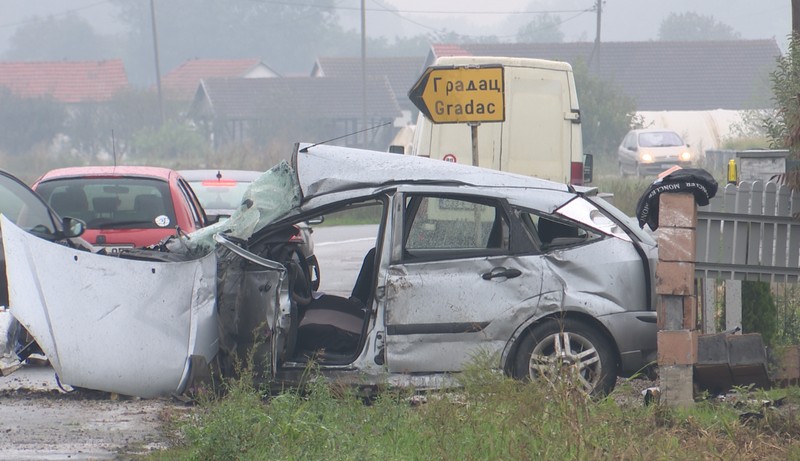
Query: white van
point(541, 134)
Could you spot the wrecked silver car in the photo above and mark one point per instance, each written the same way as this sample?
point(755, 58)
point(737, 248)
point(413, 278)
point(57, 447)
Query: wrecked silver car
point(459, 262)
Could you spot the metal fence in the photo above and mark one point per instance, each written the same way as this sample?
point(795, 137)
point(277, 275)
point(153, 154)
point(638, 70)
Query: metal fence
point(747, 232)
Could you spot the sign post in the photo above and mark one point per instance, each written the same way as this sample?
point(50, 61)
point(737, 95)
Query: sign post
point(450, 94)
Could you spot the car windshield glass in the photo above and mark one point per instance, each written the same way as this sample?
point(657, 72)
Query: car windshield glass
point(217, 194)
point(112, 202)
point(21, 206)
point(660, 139)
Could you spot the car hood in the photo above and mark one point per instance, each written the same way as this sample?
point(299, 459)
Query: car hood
point(137, 341)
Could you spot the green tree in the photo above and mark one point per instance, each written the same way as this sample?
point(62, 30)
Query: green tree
point(692, 27)
point(26, 122)
point(759, 312)
point(546, 28)
point(606, 113)
point(783, 127)
point(55, 39)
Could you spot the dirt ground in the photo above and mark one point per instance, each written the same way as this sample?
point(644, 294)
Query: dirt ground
point(39, 421)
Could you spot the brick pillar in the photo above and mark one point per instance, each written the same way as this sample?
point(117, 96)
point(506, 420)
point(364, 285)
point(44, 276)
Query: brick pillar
point(677, 303)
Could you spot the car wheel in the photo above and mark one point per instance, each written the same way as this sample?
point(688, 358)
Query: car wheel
point(567, 349)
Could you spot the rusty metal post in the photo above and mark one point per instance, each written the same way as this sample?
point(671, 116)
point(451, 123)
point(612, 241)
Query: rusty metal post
point(677, 302)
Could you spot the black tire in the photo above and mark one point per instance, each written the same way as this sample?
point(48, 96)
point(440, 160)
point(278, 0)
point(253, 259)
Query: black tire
point(590, 353)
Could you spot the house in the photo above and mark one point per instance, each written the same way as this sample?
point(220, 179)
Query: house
point(658, 75)
point(69, 82)
point(402, 73)
point(696, 88)
point(300, 108)
point(181, 83)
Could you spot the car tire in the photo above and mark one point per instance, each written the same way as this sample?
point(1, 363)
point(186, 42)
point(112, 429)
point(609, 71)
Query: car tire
point(584, 350)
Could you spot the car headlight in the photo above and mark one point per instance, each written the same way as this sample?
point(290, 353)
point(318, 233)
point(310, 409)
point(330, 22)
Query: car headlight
point(646, 157)
point(686, 156)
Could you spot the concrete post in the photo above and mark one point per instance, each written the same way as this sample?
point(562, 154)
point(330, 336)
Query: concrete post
point(677, 302)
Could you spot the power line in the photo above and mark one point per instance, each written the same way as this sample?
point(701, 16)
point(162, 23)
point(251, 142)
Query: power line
point(402, 11)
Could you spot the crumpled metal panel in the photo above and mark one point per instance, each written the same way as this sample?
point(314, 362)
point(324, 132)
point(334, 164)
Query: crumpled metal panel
point(324, 169)
point(269, 197)
point(613, 282)
point(112, 324)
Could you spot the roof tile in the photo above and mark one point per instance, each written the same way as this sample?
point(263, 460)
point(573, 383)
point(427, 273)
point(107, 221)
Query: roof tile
point(65, 81)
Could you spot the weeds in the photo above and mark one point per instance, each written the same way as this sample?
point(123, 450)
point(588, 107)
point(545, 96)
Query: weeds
point(490, 417)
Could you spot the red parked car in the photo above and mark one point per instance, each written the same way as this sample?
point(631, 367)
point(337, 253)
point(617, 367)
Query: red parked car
point(123, 206)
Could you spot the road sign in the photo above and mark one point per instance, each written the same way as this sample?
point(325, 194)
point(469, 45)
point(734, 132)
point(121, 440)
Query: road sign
point(450, 94)
point(450, 158)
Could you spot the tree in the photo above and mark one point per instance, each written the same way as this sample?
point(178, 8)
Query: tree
point(286, 35)
point(546, 28)
point(759, 312)
point(52, 39)
point(693, 27)
point(783, 128)
point(606, 113)
point(26, 122)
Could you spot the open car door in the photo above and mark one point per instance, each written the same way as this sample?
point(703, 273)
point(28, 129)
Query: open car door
point(255, 314)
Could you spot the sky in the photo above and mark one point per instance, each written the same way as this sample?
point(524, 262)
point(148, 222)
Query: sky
point(622, 20)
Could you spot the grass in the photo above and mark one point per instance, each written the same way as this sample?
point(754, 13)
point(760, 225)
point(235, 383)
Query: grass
point(492, 417)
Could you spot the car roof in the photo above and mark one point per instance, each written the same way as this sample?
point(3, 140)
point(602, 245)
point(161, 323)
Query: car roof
point(211, 174)
point(324, 169)
point(83, 171)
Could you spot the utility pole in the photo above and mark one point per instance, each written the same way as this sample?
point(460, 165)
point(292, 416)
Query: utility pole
point(158, 68)
point(364, 69)
point(599, 7)
point(596, 48)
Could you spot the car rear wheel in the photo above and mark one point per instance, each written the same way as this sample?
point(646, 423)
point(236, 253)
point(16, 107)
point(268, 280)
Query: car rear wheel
point(567, 349)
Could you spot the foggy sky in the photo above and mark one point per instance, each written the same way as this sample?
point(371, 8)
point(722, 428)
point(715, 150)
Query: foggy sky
point(622, 20)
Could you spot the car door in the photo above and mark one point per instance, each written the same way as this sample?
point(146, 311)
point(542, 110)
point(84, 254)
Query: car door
point(460, 281)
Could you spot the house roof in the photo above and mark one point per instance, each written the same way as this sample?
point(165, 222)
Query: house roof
point(402, 72)
point(659, 75)
point(65, 81)
point(181, 82)
point(335, 98)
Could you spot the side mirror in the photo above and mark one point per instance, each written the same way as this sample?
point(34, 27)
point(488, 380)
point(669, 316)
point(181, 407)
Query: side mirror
point(73, 227)
point(316, 221)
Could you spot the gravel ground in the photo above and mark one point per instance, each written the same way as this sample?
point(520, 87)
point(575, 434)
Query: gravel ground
point(38, 421)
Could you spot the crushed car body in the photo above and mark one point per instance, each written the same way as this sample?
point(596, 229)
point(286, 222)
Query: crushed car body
point(459, 262)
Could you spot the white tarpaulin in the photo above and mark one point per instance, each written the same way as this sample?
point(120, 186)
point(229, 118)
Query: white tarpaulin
point(112, 324)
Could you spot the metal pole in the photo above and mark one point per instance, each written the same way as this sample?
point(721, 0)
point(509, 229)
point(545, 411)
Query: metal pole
point(473, 126)
point(158, 69)
point(364, 68)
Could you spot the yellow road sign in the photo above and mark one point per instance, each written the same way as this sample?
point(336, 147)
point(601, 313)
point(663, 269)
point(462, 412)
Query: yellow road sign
point(448, 94)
